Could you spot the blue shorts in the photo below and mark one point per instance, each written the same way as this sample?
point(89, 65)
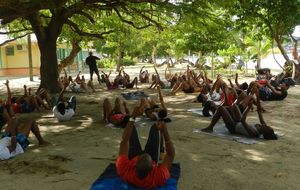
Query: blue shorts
point(265, 93)
point(26, 108)
point(21, 139)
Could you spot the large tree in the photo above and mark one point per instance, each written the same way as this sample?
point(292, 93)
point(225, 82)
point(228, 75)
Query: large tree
point(274, 19)
point(47, 19)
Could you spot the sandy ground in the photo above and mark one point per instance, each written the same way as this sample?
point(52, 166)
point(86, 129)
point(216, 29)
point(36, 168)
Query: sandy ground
point(83, 147)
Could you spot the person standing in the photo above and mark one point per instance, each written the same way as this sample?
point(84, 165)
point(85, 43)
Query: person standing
point(91, 62)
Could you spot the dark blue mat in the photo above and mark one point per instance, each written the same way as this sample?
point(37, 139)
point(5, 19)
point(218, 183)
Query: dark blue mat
point(134, 95)
point(109, 180)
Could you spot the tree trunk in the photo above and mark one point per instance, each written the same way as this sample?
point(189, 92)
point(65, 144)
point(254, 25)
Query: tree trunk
point(153, 55)
point(282, 50)
point(296, 68)
point(258, 62)
point(212, 65)
point(48, 69)
point(30, 57)
point(70, 59)
point(120, 57)
point(258, 65)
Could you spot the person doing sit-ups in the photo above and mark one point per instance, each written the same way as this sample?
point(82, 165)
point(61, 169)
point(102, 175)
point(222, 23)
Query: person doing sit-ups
point(235, 121)
point(115, 115)
point(140, 167)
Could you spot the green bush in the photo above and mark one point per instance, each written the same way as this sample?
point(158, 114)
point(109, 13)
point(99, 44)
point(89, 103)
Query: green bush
point(106, 63)
point(127, 61)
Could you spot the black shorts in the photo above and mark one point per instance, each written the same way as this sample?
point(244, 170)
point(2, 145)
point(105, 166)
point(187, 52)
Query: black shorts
point(189, 90)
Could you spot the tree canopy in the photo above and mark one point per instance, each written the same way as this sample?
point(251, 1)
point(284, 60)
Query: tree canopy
point(150, 28)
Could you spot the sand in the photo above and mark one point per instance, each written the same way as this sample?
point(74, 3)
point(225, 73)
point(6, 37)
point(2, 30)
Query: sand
point(83, 147)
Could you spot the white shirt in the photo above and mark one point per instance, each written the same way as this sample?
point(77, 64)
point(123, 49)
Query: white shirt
point(63, 117)
point(4, 152)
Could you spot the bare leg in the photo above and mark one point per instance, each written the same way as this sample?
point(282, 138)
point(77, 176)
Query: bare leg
point(44, 95)
point(221, 112)
point(135, 80)
point(153, 83)
point(107, 109)
point(90, 84)
point(117, 107)
point(28, 126)
point(83, 86)
point(126, 108)
point(31, 100)
point(177, 88)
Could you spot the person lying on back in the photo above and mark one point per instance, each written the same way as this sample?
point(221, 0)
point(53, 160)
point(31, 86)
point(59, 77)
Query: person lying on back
point(140, 167)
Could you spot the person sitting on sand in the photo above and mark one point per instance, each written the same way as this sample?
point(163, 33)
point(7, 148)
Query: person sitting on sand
point(171, 78)
point(83, 85)
point(26, 103)
point(235, 121)
point(187, 84)
point(65, 80)
point(125, 76)
point(144, 75)
point(64, 109)
point(140, 167)
point(16, 135)
point(115, 115)
point(156, 81)
point(131, 84)
point(109, 85)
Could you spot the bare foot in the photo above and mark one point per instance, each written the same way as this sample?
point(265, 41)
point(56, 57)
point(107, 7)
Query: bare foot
point(208, 130)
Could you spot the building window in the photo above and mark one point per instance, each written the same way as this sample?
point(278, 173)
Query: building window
point(10, 51)
point(19, 47)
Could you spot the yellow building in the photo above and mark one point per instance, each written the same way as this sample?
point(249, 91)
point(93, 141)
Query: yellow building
point(14, 57)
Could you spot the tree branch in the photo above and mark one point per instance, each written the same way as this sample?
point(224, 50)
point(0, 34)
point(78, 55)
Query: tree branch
point(91, 19)
point(130, 22)
point(76, 29)
point(15, 31)
point(149, 19)
point(10, 40)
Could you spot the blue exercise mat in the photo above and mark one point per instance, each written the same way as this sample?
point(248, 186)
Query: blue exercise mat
point(109, 180)
point(134, 95)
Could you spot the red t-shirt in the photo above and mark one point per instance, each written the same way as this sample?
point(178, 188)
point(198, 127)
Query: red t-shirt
point(230, 98)
point(16, 107)
point(126, 170)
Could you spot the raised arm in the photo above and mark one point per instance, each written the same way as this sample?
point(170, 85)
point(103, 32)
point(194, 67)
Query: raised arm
point(161, 98)
point(25, 91)
point(170, 151)
point(234, 90)
point(124, 144)
point(142, 69)
point(260, 110)
point(61, 94)
point(65, 72)
point(8, 101)
point(250, 131)
point(157, 73)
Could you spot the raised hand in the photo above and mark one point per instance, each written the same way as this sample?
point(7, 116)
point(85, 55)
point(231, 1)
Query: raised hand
point(6, 83)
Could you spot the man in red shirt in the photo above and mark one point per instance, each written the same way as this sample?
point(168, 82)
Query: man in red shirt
point(140, 168)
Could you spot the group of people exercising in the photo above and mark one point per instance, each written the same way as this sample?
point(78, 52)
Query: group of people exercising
point(137, 166)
